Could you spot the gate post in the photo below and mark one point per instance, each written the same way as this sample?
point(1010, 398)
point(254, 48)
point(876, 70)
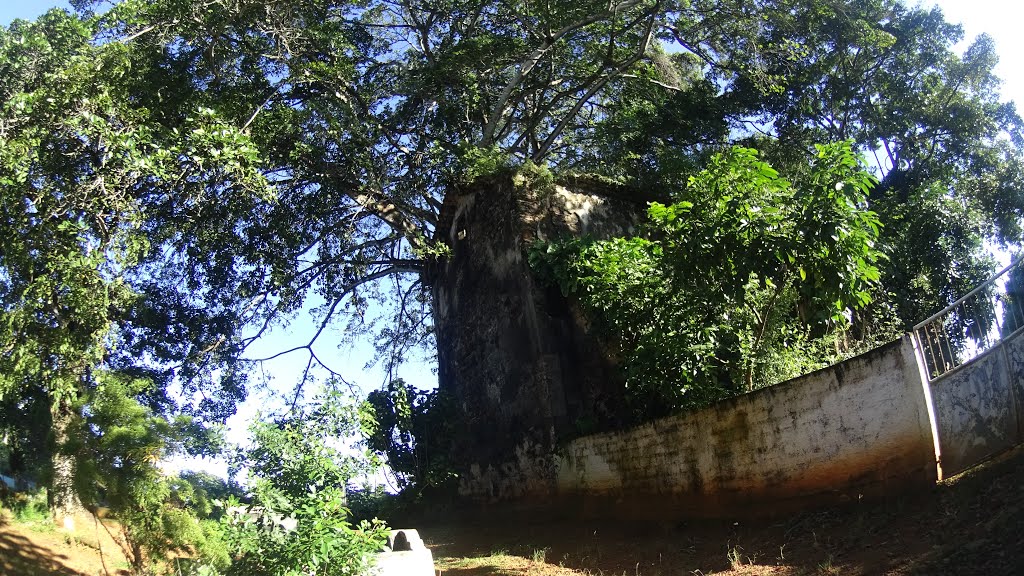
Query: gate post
point(915, 369)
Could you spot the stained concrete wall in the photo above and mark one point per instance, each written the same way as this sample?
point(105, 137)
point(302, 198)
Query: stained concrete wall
point(977, 406)
point(853, 429)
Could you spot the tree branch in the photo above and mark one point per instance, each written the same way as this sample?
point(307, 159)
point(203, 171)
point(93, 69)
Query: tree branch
point(637, 55)
point(345, 292)
point(527, 64)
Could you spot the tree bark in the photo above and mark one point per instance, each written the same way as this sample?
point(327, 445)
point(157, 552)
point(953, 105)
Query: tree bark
point(522, 363)
point(62, 495)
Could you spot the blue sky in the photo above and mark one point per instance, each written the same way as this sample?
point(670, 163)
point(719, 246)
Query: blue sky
point(27, 9)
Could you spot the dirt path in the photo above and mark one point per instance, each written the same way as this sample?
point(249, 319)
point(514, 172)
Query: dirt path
point(973, 524)
point(41, 550)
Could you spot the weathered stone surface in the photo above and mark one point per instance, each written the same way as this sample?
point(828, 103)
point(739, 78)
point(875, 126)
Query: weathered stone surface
point(977, 406)
point(406, 556)
point(520, 362)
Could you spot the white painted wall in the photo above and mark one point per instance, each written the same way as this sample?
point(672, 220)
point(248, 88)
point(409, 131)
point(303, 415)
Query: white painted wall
point(852, 429)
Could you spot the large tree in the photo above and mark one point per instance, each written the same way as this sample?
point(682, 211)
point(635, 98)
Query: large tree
point(177, 177)
point(93, 197)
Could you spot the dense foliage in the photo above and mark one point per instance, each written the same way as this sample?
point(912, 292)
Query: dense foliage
point(735, 284)
point(413, 430)
point(119, 448)
point(98, 203)
point(298, 522)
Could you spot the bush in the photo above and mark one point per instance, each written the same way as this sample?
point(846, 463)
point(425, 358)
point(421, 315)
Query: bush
point(28, 507)
point(369, 503)
point(298, 522)
point(740, 282)
point(120, 446)
point(412, 429)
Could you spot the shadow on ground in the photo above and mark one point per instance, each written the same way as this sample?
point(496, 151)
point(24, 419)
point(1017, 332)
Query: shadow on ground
point(21, 556)
point(973, 524)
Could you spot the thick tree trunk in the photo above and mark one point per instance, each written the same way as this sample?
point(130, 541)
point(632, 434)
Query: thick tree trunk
point(63, 498)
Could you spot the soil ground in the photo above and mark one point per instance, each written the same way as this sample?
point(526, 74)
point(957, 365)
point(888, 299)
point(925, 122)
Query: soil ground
point(971, 524)
point(39, 548)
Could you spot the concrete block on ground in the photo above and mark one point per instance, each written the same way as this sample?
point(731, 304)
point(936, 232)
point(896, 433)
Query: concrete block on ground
point(406, 556)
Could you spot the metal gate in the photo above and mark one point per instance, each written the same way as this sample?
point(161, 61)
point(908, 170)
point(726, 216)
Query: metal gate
point(973, 357)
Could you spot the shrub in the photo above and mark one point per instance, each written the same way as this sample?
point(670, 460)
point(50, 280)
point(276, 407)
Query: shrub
point(737, 283)
point(298, 522)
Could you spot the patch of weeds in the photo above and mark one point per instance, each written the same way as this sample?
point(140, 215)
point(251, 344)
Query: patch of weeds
point(590, 554)
point(735, 556)
point(540, 555)
point(444, 564)
point(827, 566)
point(31, 509)
point(564, 560)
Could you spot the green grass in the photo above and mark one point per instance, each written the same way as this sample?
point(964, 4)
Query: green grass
point(31, 509)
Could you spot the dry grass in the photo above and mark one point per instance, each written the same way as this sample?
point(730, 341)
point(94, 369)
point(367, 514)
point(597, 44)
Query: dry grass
point(37, 548)
point(500, 564)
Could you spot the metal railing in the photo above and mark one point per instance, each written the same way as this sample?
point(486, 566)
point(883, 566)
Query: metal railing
point(975, 323)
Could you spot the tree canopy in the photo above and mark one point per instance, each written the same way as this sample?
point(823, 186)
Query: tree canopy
point(178, 177)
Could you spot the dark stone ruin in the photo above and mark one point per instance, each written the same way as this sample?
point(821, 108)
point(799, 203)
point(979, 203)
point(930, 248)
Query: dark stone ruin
point(514, 352)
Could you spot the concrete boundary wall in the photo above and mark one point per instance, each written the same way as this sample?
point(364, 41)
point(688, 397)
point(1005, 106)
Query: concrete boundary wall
point(854, 429)
point(978, 407)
